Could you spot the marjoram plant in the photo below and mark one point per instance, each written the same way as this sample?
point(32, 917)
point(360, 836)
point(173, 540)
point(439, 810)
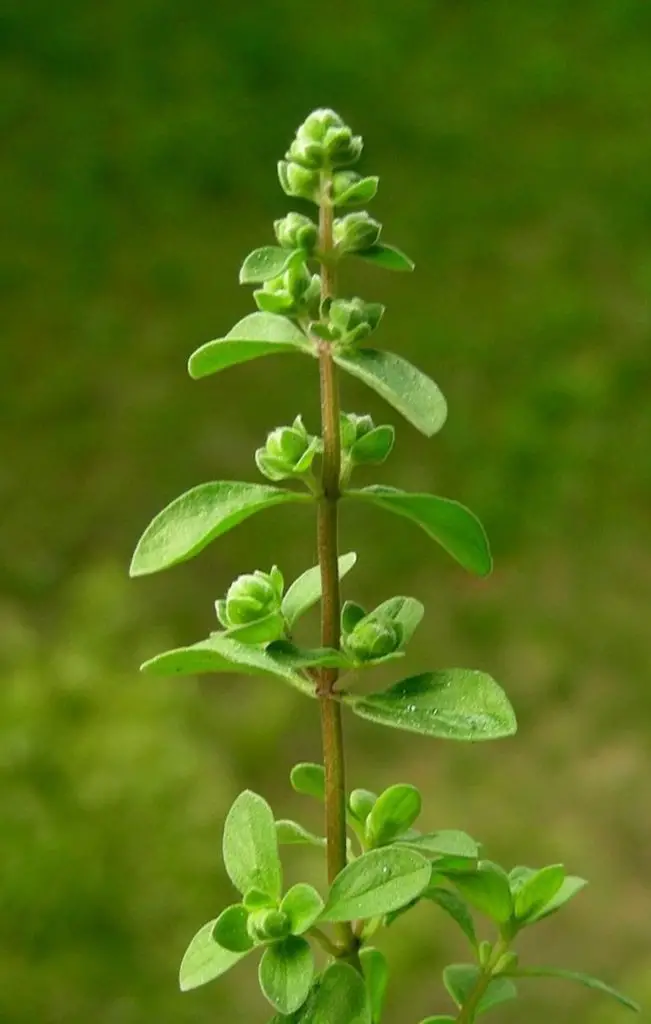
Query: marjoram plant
point(318, 962)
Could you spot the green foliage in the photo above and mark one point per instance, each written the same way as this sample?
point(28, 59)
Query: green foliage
point(387, 866)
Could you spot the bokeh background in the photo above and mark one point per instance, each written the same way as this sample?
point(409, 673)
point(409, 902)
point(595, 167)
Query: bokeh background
point(140, 141)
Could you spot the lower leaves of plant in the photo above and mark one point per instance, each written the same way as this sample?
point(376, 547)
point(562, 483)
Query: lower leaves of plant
point(317, 946)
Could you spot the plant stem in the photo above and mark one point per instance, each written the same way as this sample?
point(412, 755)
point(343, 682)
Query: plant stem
point(327, 536)
point(467, 1012)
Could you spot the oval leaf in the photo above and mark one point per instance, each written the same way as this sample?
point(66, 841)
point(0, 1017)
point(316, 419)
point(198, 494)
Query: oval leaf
point(340, 998)
point(387, 256)
point(395, 810)
point(445, 843)
point(205, 960)
point(303, 905)
point(285, 653)
point(290, 833)
point(286, 972)
point(306, 590)
point(250, 846)
point(452, 525)
point(487, 888)
point(538, 890)
point(308, 779)
point(377, 883)
point(570, 887)
point(402, 385)
point(194, 519)
point(360, 193)
point(453, 905)
point(376, 975)
point(268, 262)
point(456, 704)
point(258, 334)
point(582, 979)
point(231, 930)
point(221, 654)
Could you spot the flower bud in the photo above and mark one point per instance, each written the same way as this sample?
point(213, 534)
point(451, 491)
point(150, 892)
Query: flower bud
point(352, 428)
point(295, 231)
point(350, 189)
point(342, 147)
point(307, 154)
point(299, 181)
point(251, 597)
point(268, 925)
point(294, 293)
point(288, 451)
point(355, 319)
point(318, 123)
point(373, 638)
point(355, 232)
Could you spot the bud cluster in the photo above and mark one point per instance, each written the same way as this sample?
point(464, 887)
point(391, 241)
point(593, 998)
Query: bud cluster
point(353, 320)
point(295, 293)
point(362, 443)
point(296, 231)
point(322, 142)
point(251, 598)
point(355, 232)
point(367, 638)
point(287, 452)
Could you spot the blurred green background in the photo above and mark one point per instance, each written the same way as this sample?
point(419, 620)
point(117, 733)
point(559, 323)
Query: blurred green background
point(514, 151)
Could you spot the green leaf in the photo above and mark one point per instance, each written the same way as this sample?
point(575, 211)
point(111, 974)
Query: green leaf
point(360, 804)
point(570, 887)
point(258, 334)
point(456, 704)
point(303, 905)
point(377, 883)
point(453, 905)
point(290, 833)
point(251, 847)
point(286, 972)
point(308, 779)
point(221, 654)
point(581, 979)
point(445, 843)
point(395, 810)
point(263, 631)
point(449, 523)
point(376, 975)
point(461, 979)
point(340, 998)
point(351, 614)
point(402, 385)
point(205, 960)
point(387, 256)
point(360, 193)
point(487, 889)
point(193, 520)
point(405, 610)
point(268, 262)
point(306, 590)
point(255, 899)
point(538, 890)
point(375, 447)
point(290, 656)
point(230, 929)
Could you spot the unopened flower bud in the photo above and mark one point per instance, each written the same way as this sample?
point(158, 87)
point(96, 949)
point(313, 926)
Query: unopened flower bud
point(352, 428)
point(289, 451)
point(342, 147)
point(318, 123)
point(293, 293)
point(268, 925)
point(355, 319)
point(299, 181)
point(251, 597)
point(355, 232)
point(295, 231)
point(373, 638)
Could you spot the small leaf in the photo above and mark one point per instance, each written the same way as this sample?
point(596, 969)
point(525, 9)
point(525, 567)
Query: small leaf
point(306, 590)
point(395, 810)
point(538, 890)
point(205, 960)
point(461, 979)
point(487, 889)
point(263, 631)
point(303, 905)
point(255, 899)
point(445, 843)
point(351, 614)
point(230, 929)
point(387, 256)
point(309, 779)
point(251, 847)
point(286, 972)
point(375, 447)
point(193, 520)
point(258, 334)
point(360, 193)
point(405, 610)
point(451, 524)
point(221, 654)
point(340, 998)
point(268, 262)
point(290, 656)
point(290, 833)
point(456, 704)
point(402, 385)
point(360, 804)
point(582, 979)
point(453, 905)
point(376, 975)
point(570, 887)
point(377, 883)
